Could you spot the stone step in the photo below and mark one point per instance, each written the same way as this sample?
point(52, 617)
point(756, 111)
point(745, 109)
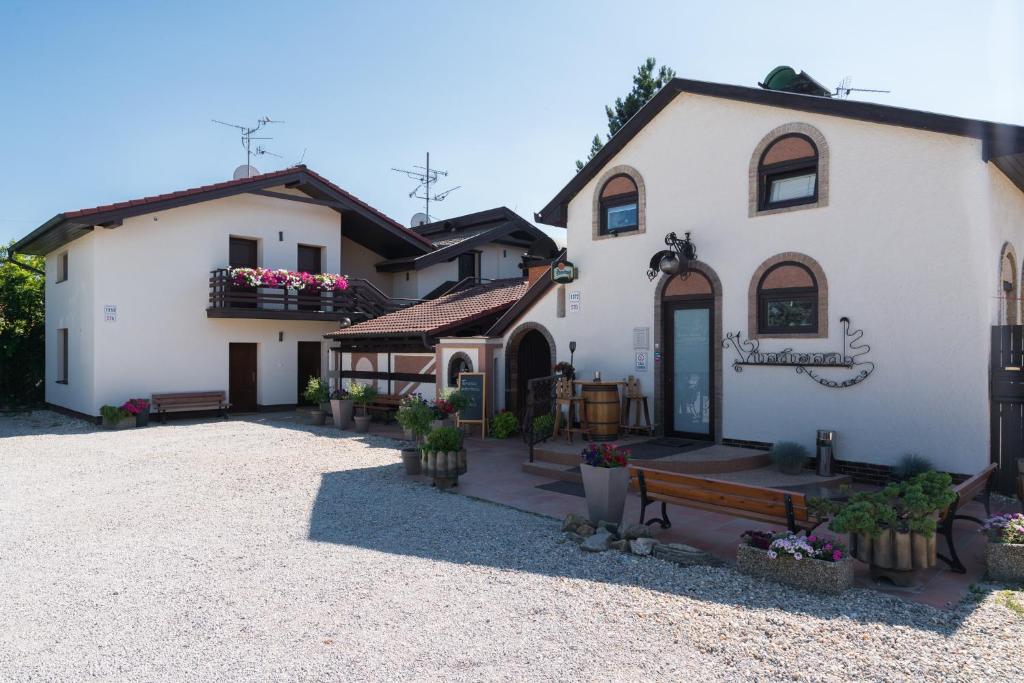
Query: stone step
point(554, 471)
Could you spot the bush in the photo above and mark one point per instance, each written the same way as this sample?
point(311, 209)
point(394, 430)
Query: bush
point(114, 414)
point(316, 391)
point(906, 506)
point(911, 465)
point(503, 425)
point(443, 440)
point(362, 394)
point(415, 415)
point(543, 427)
point(456, 399)
point(22, 330)
point(789, 456)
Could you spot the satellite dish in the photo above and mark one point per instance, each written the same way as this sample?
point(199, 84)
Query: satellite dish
point(245, 171)
point(418, 219)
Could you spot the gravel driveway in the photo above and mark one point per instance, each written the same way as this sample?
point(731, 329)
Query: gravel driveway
point(254, 549)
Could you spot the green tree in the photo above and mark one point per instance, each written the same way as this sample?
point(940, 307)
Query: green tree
point(646, 82)
point(22, 329)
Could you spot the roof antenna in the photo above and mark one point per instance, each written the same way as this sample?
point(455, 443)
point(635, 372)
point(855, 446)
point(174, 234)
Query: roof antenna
point(843, 90)
point(248, 135)
point(426, 177)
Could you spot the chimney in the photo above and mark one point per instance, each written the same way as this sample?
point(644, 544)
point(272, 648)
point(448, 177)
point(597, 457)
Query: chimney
point(534, 273)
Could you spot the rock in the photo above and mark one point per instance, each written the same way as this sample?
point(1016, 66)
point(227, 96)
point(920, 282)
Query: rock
point(585, 530)
point(613, 529)
point(574, 537)
point(573, 522)
point(637, 531)
point(622, 545)
point(685, 555)
point(598, 542)
point(642, 546)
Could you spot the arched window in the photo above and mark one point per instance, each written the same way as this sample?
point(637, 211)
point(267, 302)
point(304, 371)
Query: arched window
point(787, 300)
point(787, 173)
point(459, 363)
point(620, 205)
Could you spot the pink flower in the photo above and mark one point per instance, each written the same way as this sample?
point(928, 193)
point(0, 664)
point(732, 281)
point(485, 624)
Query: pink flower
point(836, 556)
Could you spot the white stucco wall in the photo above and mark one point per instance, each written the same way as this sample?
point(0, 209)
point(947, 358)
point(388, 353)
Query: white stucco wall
point(71, 305)
point(907, 246)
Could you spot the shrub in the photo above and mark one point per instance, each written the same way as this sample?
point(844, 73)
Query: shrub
point(1008, 528)
point(415, 415)
point(543, 427)
point(443, 440)
point(905, 506)
point(504, 424)
point(456, 399)
point(362, 394)
point(316, 391)
point(789, 456)
point(114, 413)
point(910, 465)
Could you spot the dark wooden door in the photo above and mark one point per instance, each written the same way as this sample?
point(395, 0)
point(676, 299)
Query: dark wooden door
point(309, 366)
point(243, 254)
point(533, 359)
point(1006, 387)
point(242, 377)
point(689, 377)
point(467, 266)
point(308, 261)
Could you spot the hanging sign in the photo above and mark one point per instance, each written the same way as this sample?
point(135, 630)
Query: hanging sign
point(473, 385)
point(564, 272)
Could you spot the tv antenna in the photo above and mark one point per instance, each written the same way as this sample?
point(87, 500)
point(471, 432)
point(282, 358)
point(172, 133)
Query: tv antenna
point(248, 135)
point(426, 176)
point(843, 90)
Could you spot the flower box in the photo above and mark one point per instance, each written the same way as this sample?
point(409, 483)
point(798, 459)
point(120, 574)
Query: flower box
point(123, 423)
point(808, 574)
point(1005, 561)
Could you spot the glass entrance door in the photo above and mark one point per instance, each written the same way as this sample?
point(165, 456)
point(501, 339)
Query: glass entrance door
point(689, 379)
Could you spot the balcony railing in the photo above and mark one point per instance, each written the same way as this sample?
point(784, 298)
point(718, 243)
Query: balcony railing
point(361, 301)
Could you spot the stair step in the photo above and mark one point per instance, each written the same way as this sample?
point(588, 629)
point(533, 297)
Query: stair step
point(555, 471)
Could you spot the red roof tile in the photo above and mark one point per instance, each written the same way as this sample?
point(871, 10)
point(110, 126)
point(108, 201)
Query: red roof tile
point(443, 314)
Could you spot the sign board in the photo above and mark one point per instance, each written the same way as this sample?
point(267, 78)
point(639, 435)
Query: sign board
point(641, 337)
point(575, 301)
point(641, 360)
point(473, 385)
point(564, 272)
point(110, 313)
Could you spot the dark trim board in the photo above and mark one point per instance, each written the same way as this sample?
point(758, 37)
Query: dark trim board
point(389, 376)
point(92, 419)
point(264, 314)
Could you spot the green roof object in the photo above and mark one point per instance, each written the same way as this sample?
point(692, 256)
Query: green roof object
point(786, 79)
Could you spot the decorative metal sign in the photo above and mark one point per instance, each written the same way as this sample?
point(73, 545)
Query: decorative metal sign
point(564, 272)
point(675, 260)
point(852, 357)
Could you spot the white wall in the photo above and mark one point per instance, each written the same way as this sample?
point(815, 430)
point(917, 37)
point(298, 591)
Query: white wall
point(498, 262)
point(72, 305)
point(905, 245)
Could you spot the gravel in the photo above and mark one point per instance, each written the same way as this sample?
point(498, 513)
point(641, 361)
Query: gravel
point(259, 549)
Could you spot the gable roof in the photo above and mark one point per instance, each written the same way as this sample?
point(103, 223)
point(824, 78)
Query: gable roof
point(454, 236)
point(363, 223)
point(535, 292)
point(444, 315)
point(1003, 143)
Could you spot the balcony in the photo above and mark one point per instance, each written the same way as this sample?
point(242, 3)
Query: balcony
point(361, 301)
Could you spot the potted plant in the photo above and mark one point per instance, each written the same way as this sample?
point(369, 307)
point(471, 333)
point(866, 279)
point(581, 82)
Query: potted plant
point(894, 529)
point(445, 408)
point(565, 369)
point(139, 407)
point(503, 425)
point(1004, 552)
point(789, 457)
point(363, 395)
point(443, 456)
point(341, 408)
point(317, 394)
point(810, 562)
point(414, 414)
point(116, 417)
point(605, 481)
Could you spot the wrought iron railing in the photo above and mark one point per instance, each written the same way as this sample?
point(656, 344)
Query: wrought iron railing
point(362, 299)
point(540, 400)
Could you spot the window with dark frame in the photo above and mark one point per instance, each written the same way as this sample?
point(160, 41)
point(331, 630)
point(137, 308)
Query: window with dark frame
point(468, 266)
point(620, 206)
point(787, 301)
point(788, 173)
point(62, 267)
point(62, 356)
point(458, 364)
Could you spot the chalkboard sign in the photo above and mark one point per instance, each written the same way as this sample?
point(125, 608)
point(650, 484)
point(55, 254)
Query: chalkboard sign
point(473, 385)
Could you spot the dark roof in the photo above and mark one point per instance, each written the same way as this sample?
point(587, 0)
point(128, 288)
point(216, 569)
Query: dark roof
point(445, 315)
point(455, 236)
point(537, 290)
point(1000, 140)
point(363, 223)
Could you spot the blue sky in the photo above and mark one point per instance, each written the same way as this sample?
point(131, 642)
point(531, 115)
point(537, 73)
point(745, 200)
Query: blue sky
point(106, 101)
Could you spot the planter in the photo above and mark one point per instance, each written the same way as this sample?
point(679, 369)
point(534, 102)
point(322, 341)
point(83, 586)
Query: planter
point(317, 417)
point(142, 419)
point(898, 550)
point(1005, 561)
point(362, 423)
point(437, 424)
point(808, 574)
point(407, 434)
point(341, 412)
point(606, 489)
point(444, 466)
point(411, 460)
point(123, 423)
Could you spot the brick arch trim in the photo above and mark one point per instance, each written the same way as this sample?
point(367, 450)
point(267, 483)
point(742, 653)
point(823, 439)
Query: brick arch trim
point(641, 202)
point(819, 276)
point(512, 359)
point(755, 161)
point(1009, 313)
point(716, 344)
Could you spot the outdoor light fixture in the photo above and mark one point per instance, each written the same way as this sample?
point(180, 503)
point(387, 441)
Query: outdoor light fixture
point(572, 351)
point(675, 260)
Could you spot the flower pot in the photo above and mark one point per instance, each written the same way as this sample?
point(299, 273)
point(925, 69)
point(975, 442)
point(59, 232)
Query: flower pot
point(605, 488)
point(446, 422)
point(407, 434)
point(123, 423)
point(411, 460)
point(809, 574)
point(896, 550)
point(142, 419)
point(362, 423)
point(1005, 561)
point(341, 412)
point(316, 417)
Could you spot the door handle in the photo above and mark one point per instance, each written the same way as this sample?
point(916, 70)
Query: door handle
point(254, 377)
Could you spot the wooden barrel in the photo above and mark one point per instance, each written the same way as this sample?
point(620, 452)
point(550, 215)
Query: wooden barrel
point(602, 410)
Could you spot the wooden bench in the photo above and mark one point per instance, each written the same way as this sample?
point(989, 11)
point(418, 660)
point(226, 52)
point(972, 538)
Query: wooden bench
point(385, 405)
point(738, 500)
point(193, 400)
point(978, 485)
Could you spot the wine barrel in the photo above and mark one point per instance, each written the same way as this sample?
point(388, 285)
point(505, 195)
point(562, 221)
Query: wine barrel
point(602, 401)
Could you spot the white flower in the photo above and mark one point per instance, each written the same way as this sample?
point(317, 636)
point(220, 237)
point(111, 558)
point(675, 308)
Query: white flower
point(772, 554)
point(797, 556)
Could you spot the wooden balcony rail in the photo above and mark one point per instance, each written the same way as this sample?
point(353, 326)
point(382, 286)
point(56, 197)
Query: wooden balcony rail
point(361, 301)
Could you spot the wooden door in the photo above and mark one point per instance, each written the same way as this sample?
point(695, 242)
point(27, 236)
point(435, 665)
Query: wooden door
point(309, 366)
point(467, 266)
point(242, 377)
point(1006, 396)
point(689, 377)
point(243, 254)
point(308, 261)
